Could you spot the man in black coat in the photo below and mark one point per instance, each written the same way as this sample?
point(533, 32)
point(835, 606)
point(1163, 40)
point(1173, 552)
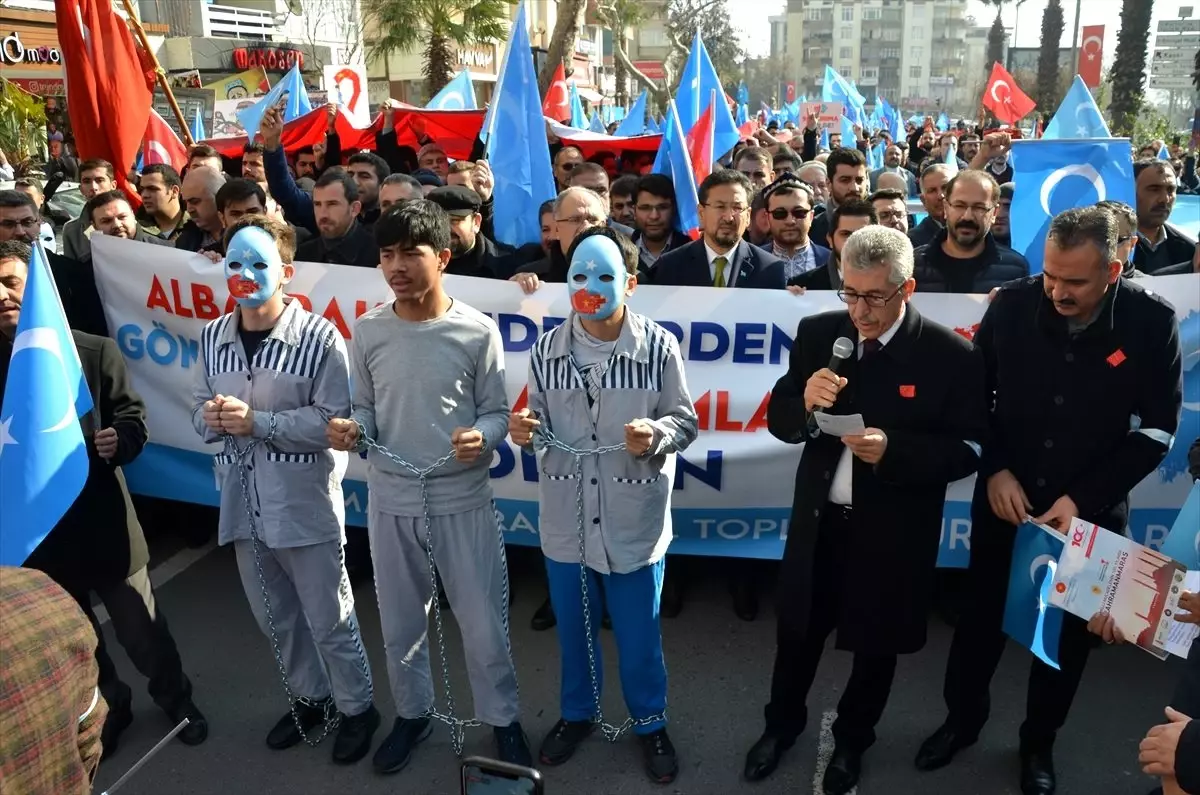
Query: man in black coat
point(471, 252)
point(98, 545)
point(868, 507)
point(342, 238)
point(721, 258)
point(1053, 344)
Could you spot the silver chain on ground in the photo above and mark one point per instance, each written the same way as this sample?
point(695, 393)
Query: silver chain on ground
point(332, 718)
point(546, 438)
point(458, 726)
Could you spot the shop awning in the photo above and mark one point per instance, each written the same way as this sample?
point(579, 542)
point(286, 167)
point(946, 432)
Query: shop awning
point(586, 93)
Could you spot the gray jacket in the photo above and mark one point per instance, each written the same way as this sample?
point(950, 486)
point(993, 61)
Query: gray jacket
point(626, 499)
point(297, 381)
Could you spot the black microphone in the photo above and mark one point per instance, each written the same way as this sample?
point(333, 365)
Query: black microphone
point(843, 349)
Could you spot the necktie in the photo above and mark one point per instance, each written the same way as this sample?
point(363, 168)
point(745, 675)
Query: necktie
point(871, 346)
point(719, 263)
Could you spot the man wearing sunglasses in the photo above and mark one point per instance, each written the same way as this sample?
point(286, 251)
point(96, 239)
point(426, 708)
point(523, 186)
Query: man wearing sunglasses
point(790, 210)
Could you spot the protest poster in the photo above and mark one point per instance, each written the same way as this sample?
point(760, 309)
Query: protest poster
point(829, 114)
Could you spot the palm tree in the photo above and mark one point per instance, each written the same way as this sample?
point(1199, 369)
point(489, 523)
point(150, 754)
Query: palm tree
point(436, 25)
point(562, 44)
point(1129, 67)
point(1047, 95)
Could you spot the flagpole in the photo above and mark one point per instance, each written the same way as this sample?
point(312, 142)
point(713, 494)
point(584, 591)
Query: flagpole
point(159, 72)
point(1075, 38)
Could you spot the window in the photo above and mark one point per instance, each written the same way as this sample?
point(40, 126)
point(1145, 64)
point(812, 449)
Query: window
point(653, 37)
point(846, 71)
point(812, 15)
point(889, 52)
point(918, 10)
point(869, 71)
point(914, 72)
point(918, 32)
point(916, 53)
point(891, 34)
point(846, 53)
point(847, 13)
point(872, 13)
point(847, 33)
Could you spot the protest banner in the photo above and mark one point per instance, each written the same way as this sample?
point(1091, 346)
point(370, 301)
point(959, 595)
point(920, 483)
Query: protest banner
point(733, 487)
point(250, 83)
point(829, 114)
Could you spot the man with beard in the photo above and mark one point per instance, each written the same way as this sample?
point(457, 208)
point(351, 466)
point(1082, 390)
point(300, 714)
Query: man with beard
point(471, 253)
point(847, 170)
point(654, 214)
point(95, 176)
point(758, 165)
point(162, 213)
point(1159, 245)
point(993, 157)
point(342, 238)
point(565, 161)
point(110, 214)
point(789, 204)
point(968, 146)
point(965, 258)
point(721, 258)
point(844, 221)
point(891, 208)
point(1000, 229)
point(622, 198)
point(893, 164)
point(202, 232)
point(933, 181)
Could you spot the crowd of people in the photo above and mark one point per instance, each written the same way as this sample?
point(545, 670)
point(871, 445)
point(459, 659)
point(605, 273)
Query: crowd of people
point(608, 409)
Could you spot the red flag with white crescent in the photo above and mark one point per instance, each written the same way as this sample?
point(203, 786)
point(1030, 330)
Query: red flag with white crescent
point(557, 104)
point(1004, 98)
point(1091, 54)
point(162, 145)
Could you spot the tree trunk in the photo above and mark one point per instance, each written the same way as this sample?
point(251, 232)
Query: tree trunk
point(562, 43)
point(437, 65)
point(622, 81)
point(1129, 67)
point(1048, 95)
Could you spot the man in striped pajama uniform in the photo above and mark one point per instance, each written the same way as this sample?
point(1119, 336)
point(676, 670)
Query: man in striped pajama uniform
point(607, 377)
point(270, 377)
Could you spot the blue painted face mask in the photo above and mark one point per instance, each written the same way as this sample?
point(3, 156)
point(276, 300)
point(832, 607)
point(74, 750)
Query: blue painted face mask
point(253, 267)
point(596, 278)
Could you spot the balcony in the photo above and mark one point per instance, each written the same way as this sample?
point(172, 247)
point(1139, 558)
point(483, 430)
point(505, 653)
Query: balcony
point(240, 23)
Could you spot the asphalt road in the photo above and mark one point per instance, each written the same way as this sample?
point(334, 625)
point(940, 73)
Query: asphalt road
point(719, 674)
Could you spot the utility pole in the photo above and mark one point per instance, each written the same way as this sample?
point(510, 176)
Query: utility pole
point(1075, 39)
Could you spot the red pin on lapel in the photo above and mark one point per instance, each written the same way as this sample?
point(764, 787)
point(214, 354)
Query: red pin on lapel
point(908, 390)
point(1116, 358)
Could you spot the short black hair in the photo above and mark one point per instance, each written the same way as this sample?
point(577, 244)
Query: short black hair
point(844, 156)
point(401, 179)
point(724, 176)
point(382, 170)
point(409, 224)
point(547, 207)
point(855, 208)
point(239, 190)
point(254, 146)
point(624, 185)
point(789, 157)
point(101, 199)
point(1146, 162)
point(890, 194)
point(94, 163)
point(338, 176)
point(202, 150)
point(16, 249)
point(169, 175)
point(305, 150)
point(629, 252)
point(659, 185)
point(15, 198)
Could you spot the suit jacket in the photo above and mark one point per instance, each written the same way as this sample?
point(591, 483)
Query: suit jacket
point(98, 541)
point(688, 266)
point(925, 391)
point(910, 179)
point(81, 300)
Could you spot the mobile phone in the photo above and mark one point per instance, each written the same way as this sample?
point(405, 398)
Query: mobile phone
point(482, 776)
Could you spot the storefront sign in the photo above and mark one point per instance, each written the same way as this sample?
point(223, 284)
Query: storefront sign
point(651, 69)
point(477, 58)
point(273, 60)
point(12, 51)
point(42, 88)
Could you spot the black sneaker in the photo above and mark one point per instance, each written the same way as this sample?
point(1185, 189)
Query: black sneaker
point(512, 745)
point(543, 618)
point(396, 750)
point(354, 736)
point(196, 731)
point(284, 733)
point(563, 739)
point(662, 766)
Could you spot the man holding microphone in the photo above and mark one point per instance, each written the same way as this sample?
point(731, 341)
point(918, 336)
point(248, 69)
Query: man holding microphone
point(868, 505)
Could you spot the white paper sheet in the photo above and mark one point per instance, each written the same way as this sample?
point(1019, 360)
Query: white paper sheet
point(1181, 636)
point(840, 424)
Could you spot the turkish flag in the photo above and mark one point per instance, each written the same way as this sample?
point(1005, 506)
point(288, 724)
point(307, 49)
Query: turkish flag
point(162, 145)
point(1091, 53)
point(791, 92)
point(109, 88)
point(557, 104)
point(1004, 98)
point(700, 141)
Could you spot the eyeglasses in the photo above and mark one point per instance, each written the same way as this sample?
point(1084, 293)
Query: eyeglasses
point(781, 213)
point(973, 209)
point(892, 215)
point(575, 219)
point(27, 223)
point(725, 209)
point(872, 299)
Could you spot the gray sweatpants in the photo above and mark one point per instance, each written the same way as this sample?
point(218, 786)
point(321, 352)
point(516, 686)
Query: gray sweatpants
point(313, 608)
point(469, 556)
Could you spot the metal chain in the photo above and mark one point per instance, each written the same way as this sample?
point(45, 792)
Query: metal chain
point(458, 726)
point(332, 717)
point(546, 438)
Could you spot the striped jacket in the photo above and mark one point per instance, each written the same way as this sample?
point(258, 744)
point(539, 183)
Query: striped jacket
point(297, 380)
point(626, 499)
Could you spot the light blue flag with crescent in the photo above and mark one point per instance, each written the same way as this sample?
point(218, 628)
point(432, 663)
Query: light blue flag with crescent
point(1029, 618)
point(743, 93)
point(635, 120)
point(674, 161)
point(1164, 152)
point(516, 146)
point(849, 138)
point(289, 93)
point(43, 457)
point(1183, 542)
point(198, 127)
point(458, 94)
point(824, 142)
point(697, 82)
point(1052, 176)
point(875, 155)
point(791, 112)
point(837, 89)
point(1077, 116)
point(579, 119)
point(597, 123)
point(943, 122)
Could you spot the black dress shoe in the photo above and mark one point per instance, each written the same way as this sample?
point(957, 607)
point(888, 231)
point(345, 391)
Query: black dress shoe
point(658, 754)
point(745, 598)
point(284, 733)
point(354, 736)
point(543, 618)
point(119, 718)
point(396, 749)
point(196, 731)
point(843, 771)
point(764, 757)
point(940, 747)
point(512, 746)
point(563, 740)
point(1037, 773)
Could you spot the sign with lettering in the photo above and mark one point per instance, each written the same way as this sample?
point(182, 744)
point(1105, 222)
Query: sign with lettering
point(269, 58)
point(13, 51)
point(476, 58)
